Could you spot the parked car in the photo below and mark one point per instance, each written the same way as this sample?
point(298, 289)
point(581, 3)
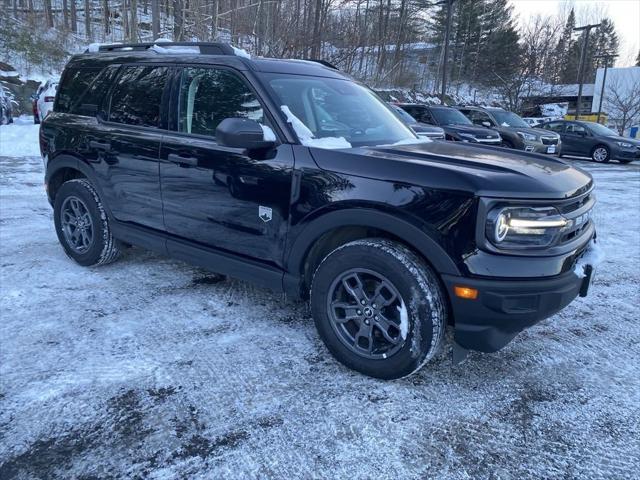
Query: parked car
point(514, 130)
point(533, 122)
point(45, 97)
point(590, 139)
point(292, 175)
point(456, 126)
point(422, 129)
point(6, 105)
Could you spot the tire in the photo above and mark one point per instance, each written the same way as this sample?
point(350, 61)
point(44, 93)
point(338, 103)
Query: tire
point(601, 154)
point(416, 317)
point(36, 119)
point(507, 144)
point(78, 199)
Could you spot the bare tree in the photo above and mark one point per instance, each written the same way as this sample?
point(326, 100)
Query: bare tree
point(87, 19)
point(623, 102)
point(155, 18)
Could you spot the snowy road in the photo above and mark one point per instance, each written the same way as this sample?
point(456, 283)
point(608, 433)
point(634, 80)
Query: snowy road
point(150, 368)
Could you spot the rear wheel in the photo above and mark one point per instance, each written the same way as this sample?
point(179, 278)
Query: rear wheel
point(378, 307)
point(600, 154)
point(82, 225)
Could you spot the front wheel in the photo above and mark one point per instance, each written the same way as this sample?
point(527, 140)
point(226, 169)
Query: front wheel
point(378, 307)
point(82, 225)
point(600, 154)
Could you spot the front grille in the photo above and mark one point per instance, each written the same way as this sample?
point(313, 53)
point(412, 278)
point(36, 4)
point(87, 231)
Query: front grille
point(549, 140)
point(578, 210)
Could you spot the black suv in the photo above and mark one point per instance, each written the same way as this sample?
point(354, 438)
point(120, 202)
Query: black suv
point(456, 126)
point(515, 132)
point(292, 175)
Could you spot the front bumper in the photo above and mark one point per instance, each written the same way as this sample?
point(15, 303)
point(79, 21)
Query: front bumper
point(621, 153)
point(536, 147)
point(505, 307)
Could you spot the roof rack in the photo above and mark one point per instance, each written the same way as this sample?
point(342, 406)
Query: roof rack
point(206, 48)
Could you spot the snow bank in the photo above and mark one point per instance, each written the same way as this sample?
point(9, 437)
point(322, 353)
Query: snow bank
point(306, 136)
point(20, 139)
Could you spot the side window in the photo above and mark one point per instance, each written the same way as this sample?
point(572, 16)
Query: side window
point(478, 117)
point(90, 102)
point(557, 127)
point(74, 83)
point(575, 129)
point(421, 114)
point(209, 95)
point(137, 96)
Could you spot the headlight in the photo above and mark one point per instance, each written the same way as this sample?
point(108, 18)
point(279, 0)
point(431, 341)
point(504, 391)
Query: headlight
point(625, 144)
point(524, 227)
point(529, 137)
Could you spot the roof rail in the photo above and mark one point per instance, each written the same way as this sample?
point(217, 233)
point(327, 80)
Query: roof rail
point(206, 48)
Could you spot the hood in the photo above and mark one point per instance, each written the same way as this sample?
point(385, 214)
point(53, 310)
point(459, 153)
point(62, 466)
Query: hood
point(618, 138)
point(455, 166)
point(480, 132)
point(419, 127)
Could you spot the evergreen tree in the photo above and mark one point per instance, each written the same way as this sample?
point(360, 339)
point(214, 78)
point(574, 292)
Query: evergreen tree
point(603, 40)
point(638, 59)
point(562, 49)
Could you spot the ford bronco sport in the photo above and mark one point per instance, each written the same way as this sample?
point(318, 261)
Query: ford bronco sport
point(292, 175)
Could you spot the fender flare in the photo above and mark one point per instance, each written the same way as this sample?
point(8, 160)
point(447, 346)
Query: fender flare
point(416, 238)
point(69, 161)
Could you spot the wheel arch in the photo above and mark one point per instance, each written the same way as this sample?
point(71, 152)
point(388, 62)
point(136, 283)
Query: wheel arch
point(66, 166)
point(336, 228)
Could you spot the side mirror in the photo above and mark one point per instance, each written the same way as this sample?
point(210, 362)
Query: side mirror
point(242, 133)
point(486, 123)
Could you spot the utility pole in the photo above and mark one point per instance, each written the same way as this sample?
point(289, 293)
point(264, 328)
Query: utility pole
point(447, 34)
point(607, 57)
point(583, 56)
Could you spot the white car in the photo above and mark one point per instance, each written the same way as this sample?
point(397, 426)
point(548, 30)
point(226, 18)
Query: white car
point(534, 122)
point(46, 96)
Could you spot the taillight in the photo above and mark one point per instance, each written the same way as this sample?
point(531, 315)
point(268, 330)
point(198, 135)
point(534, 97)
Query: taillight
point(49, 99)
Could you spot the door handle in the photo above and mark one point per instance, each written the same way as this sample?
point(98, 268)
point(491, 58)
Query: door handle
point(104, 146)
point(182, 160)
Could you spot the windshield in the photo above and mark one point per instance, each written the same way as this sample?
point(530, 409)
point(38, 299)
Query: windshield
point(598, 129)
point(335, 113)
point(449, 116)
point(509, 119)
point(408, 119)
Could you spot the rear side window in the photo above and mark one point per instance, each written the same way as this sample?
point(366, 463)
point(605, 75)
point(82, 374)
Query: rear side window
point(74, 84)
point(93, 98)
point(137, 96)
point(209, 95)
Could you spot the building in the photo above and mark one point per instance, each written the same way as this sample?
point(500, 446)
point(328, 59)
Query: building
point(559, 94)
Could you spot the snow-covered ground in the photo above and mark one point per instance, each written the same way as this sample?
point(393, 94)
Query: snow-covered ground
point(151, 368)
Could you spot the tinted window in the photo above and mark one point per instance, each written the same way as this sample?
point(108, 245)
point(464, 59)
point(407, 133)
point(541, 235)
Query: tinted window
point(555, 127)
point(449, 116)
point(478, 117)
point(420, 113)
point(137, 96)
point(74, 84)
point(208, 96)
point(92, 99)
